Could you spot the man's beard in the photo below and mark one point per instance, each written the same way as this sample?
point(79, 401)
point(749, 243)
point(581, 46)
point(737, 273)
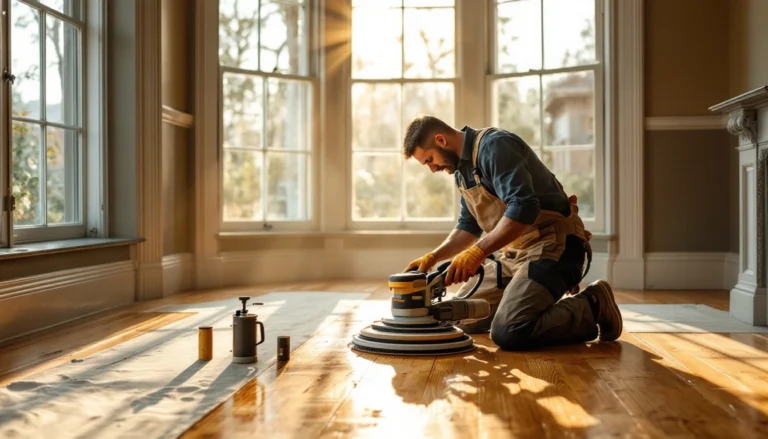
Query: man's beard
point(453, 161)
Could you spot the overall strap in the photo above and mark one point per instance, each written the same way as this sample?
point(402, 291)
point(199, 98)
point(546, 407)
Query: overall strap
point(478, 136)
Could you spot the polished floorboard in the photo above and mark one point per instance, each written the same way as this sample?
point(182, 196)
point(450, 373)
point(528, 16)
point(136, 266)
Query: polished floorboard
point(644, 385)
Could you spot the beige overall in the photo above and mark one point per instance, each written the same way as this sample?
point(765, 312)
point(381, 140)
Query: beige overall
point(525, 313)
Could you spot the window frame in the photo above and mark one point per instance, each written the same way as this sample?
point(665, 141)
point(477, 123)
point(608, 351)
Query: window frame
point(312, 31)
point(415, 224)
point(90, 181)
point(602, 96)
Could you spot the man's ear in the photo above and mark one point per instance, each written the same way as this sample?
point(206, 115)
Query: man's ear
point(441, 140)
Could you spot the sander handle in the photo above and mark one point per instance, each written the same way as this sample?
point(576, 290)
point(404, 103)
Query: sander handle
point(442, 270)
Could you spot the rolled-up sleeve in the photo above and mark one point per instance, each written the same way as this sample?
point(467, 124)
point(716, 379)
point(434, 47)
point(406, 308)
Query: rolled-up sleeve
point(503, 160)
point(467, 222)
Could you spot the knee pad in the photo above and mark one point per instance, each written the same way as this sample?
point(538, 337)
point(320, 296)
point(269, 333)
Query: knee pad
point(511, 337)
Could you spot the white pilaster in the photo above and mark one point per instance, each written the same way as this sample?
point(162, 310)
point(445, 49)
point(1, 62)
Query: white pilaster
point(748, 119)
point(150, 251)
point(207, 161)
point(629, 264)
point(334, 48)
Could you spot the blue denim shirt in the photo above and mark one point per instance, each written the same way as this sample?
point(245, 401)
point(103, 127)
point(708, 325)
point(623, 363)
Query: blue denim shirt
point(510, 170)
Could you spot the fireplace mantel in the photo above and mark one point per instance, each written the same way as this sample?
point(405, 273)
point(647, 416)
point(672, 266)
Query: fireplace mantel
point(748, 119)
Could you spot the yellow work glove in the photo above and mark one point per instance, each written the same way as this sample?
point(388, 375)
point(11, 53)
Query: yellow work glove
point(422, 264)
point(464, 265)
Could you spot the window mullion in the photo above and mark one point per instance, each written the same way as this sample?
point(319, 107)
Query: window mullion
point(43, 183)
point(6, 172)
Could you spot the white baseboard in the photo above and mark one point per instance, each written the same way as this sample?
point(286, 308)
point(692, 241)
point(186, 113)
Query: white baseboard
point(208, 272)
point(690, 271)
point(748, 304)
point(248, 268)
point(150, 281)
point(37, 302)
point(600, 268)
point(177, 273)
point(687, 123)
point(628, 274)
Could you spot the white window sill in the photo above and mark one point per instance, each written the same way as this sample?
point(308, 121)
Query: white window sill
point(61, 246)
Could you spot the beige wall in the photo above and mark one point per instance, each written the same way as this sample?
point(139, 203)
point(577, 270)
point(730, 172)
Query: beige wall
point(689, 68)
point(748, 45)
point(687, 177)
point(686, 56)
point(177, 78)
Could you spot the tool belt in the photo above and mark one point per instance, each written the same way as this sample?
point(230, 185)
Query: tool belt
point(554, 226)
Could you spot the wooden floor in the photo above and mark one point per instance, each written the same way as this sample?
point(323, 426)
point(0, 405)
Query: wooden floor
point(644, 385)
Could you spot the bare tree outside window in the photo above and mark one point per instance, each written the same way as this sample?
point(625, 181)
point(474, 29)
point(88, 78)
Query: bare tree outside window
point(45, 107)
point(263, 50)
point(403, 65)
point(544, 89)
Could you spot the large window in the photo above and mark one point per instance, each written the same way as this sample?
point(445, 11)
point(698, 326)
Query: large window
point(403, 64)
point(547, 86)
point(44, 129)
point(266, 118)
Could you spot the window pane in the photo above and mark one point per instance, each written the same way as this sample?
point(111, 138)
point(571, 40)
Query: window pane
point(283, 38)
point(61, 75)
point(286, 186)
point(569, 108)
point(376, 116)
point(25, 63)
point(516, 107)
point(377, 42)
point(27, 174)
point(288, 122)
point(242, 109)
point(377, 186)
point(68, 7)
point(518, 36)
point(428, 195)
point(434, 99)
point(62, 170)
point(238, 33)
point(427, 3)
point(376, 3)
point(429, 43)
point(575, 169)
point(242, 185)
point(569, 33)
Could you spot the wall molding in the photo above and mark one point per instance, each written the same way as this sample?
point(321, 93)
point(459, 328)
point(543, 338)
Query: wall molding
point(686, 123)
point(206, 150)
point(691, 270)
point(628, 267)
point(177, 273)
point(176, 117)
point(148, 79)
point(34, 303)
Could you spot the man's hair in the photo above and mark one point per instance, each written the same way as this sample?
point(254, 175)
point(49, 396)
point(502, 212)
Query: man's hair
point(421, 129)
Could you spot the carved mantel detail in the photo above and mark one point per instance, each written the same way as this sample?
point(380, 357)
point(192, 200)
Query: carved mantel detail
point(743, 123)
point(748, 119)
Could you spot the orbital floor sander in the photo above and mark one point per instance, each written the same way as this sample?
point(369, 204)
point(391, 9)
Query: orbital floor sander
point(421, 322)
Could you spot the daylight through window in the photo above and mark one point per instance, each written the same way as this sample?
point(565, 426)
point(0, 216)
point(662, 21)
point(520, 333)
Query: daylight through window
point(546, 83)
point(266, 115)
point(46, 118)
point(403, 65)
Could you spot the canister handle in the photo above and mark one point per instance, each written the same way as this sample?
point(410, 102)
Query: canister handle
point(263, 333)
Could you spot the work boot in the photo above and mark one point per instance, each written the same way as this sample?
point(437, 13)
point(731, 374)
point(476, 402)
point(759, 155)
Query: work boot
point(478, 326)
point(604, 309)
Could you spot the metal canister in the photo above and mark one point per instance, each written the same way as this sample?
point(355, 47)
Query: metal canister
point(244, 338)
point(283, 348)
point(205, 343)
